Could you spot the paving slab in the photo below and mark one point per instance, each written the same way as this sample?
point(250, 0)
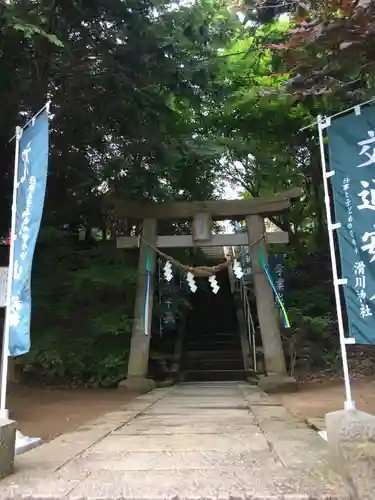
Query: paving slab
point(194, 441)
point(258, 397)
point(181, 413)
point(163, 428)
point(205, 419)
point(179, 460)
point(215, 484)
point(217, 442)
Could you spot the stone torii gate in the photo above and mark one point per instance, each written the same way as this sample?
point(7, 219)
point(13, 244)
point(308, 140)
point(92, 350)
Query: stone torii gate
point(203, 213)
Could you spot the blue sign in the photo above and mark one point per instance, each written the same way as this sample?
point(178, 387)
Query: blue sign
point(168, 319)
point(30, 193)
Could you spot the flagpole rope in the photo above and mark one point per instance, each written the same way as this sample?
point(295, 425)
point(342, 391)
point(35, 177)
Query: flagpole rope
point(337, 114)
point(46, 106)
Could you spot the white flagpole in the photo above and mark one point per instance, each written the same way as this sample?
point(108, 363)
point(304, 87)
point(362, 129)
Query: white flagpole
point(349, 403)
point(5, 351)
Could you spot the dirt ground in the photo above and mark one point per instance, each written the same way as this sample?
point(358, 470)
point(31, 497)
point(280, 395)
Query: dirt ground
point(47, 413)
point(316, 398)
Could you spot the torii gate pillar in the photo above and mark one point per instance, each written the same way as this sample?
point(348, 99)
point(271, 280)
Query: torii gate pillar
point(267, 313)
point(140, 342)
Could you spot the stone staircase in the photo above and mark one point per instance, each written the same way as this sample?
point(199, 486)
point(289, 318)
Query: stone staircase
point(212, 348)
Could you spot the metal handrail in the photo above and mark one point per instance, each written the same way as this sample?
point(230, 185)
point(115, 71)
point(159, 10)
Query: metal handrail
point(249, 319)
point(243, 292)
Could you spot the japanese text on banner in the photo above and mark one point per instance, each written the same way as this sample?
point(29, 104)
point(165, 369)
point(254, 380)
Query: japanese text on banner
point(277, 267)
point(351, 141)
point(30, 192)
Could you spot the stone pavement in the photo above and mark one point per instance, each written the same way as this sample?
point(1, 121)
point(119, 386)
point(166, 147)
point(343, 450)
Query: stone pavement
point(194, 441)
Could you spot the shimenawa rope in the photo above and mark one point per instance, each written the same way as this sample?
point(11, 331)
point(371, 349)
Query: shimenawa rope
point(200, 271)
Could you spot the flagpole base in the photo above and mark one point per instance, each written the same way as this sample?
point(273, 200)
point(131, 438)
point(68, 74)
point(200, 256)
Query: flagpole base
point(7, 440)
point(349, 405)
point(23, 443)
point(26, 443)
point(4, 414)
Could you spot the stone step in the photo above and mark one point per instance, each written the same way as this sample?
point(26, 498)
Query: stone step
point(213, 345)
point(208, 336)
point(206, 354)
point(211, 327)
point(214, 364)
point(212, 333)
point(214, 375)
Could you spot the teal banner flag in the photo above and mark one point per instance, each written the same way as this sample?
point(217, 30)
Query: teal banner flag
point(351, 143)
point(29, 202)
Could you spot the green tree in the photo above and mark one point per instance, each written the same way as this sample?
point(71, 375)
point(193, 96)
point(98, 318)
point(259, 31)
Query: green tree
point(129, 82)
point(259, 132)
point(328, 49)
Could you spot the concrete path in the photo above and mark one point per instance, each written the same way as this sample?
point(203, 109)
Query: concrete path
point(209, 441)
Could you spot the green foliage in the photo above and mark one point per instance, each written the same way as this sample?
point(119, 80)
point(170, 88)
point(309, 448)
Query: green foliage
point(83, 297)
point(129, 86)
point(136, 67)
point(29, 30)
point(312, 343)
point(28, 21)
